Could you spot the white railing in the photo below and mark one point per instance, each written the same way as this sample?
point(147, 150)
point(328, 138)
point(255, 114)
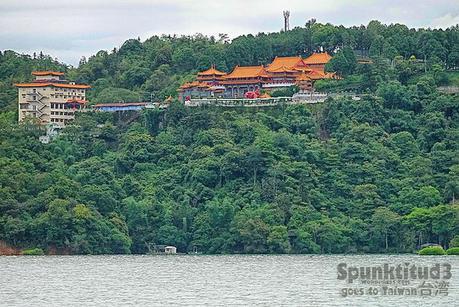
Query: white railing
point(280, 84)
point(309, 97)
point(299, 98)
point(238, 102)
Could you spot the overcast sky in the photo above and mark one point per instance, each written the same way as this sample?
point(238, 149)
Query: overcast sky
point(71, 29)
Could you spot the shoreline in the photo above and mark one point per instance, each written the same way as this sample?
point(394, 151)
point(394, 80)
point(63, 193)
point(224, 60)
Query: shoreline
point(234, 254)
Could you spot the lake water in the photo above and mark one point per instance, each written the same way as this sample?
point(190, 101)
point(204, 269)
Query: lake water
point(233, 280)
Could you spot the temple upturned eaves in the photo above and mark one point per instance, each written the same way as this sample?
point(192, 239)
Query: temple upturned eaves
point(281, 73)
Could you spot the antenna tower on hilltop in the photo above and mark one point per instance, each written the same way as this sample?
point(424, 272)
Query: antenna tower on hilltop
point(286, 21)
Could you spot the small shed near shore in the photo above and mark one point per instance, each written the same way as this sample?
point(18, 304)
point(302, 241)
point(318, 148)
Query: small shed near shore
point(162, 249)
point(170, 250)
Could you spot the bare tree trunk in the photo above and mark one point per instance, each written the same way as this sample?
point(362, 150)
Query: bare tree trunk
point(387, 244)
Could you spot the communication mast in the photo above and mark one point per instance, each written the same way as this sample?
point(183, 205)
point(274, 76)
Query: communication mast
point(286, 21)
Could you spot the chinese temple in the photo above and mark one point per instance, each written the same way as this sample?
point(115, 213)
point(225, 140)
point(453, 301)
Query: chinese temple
point(286, 68)
point(281, 73)
point(245, 79)
point(211, 76)
point(317, 61)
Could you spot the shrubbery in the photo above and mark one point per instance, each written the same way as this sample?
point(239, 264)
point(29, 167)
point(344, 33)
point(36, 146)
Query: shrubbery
point(453, 251)
point(33, 252)
point(432, 250)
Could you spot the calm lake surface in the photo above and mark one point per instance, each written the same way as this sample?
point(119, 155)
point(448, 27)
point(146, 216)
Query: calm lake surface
point(233, 280)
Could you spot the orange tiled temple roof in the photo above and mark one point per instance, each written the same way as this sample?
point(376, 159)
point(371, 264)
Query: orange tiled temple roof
point(211, 72)
point(47, 73)
point(316, 75)
point(64, 85)
point(282, 69)
point(194, 84)
point(247, 72)
point(288, 62)
point(303, 77)
point(317, 58)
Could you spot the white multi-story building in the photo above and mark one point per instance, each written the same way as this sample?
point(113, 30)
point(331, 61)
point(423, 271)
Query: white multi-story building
point(50, 98)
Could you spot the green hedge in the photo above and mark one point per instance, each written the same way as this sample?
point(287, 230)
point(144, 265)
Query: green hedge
point(453, 251)
point(33, 252)
point(432, 250)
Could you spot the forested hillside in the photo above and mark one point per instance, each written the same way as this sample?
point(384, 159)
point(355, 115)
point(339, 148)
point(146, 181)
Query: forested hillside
point(380, 174)
point(156, 67)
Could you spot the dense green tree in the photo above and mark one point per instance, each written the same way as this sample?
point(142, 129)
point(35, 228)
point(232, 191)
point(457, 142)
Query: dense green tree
point(384, 223)
point(110, 95)
point(343, 63)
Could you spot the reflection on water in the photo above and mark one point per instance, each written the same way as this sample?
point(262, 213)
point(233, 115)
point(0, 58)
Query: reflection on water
point(285, 280)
